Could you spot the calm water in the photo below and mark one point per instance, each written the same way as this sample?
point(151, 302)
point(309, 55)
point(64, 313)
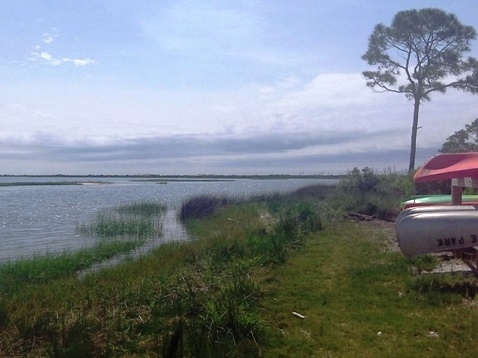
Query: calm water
point(35, 220)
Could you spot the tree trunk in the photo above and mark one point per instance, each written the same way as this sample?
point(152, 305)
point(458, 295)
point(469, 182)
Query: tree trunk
point(413, 144)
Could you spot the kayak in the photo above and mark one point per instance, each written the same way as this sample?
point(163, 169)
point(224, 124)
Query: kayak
point(448, 166)
point(426, 200)
point(437, 231)
point(433, 209)
point(437, 223)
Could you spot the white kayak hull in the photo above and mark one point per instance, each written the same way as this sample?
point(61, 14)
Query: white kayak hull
point(420, 233)
point(432, 209)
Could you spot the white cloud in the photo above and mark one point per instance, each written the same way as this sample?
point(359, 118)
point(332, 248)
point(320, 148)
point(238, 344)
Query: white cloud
point(42, 55)
point(55, 61)
point(39, 113)
point(80, 61)
point(47, 38)
point(329, 115)
point(48, 58)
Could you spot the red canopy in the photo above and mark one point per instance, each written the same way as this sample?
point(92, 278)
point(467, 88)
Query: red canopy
point(448, 166)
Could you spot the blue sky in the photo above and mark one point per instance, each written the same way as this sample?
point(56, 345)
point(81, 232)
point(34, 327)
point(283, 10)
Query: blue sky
point(207, 87)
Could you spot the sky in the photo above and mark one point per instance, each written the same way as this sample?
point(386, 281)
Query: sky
point(208, 87)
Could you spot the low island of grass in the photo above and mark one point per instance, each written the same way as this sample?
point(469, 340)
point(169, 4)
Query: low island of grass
point(49, 183)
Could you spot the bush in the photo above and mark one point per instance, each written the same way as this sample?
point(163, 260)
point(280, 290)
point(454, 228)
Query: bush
point(368, 193)
point(201, 206)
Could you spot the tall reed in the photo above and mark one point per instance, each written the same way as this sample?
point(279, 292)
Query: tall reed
point(138, 219)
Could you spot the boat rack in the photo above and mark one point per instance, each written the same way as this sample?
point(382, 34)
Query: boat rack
point(462, 170)
point(469, 255)
point(457, 185)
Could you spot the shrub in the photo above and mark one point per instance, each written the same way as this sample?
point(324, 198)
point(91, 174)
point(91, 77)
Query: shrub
point(369, 193)
point(201, 206)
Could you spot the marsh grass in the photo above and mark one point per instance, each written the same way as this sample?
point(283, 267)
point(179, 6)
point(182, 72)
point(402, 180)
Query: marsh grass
point(143, 208)
point(196, 298)
point(230, 292)
point(34, 183)
point(140, 219)
point(15, 275)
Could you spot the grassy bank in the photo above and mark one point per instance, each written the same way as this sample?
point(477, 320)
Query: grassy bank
point(16, 275)
point(360, 299)
point(231, 291)
point(197, 298)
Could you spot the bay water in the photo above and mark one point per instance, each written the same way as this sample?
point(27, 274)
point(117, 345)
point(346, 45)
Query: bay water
point(41, 219)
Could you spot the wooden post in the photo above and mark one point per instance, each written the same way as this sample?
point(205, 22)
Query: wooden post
point(456, 198)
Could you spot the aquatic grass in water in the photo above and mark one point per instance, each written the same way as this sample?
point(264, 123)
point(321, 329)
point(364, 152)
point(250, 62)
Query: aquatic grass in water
point(109, 224)
point(131, 224)
point(16, 274)
point(137, 219)
point(145, 209)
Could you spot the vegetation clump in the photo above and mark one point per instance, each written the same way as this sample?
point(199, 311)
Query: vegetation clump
point(137, 219)
point(15, 275)
point(367, 192)
point(197, 298)
point(124, 228)
point(202, 206)
point(269, 276)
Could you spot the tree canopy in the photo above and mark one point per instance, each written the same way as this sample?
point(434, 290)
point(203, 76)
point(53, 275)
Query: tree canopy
point(420, 53)
point(464, 140)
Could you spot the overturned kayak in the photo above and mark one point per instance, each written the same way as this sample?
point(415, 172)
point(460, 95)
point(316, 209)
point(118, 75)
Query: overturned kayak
point(448, 166)
point(424, 232)
point(432, 209)
point(426, 200)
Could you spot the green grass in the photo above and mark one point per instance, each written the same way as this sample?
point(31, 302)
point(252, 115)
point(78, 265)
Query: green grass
point(16, 275)
point(142, 208)
point(198, 298)
point(140, 219)
point(231, 291)
point(361, 301)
